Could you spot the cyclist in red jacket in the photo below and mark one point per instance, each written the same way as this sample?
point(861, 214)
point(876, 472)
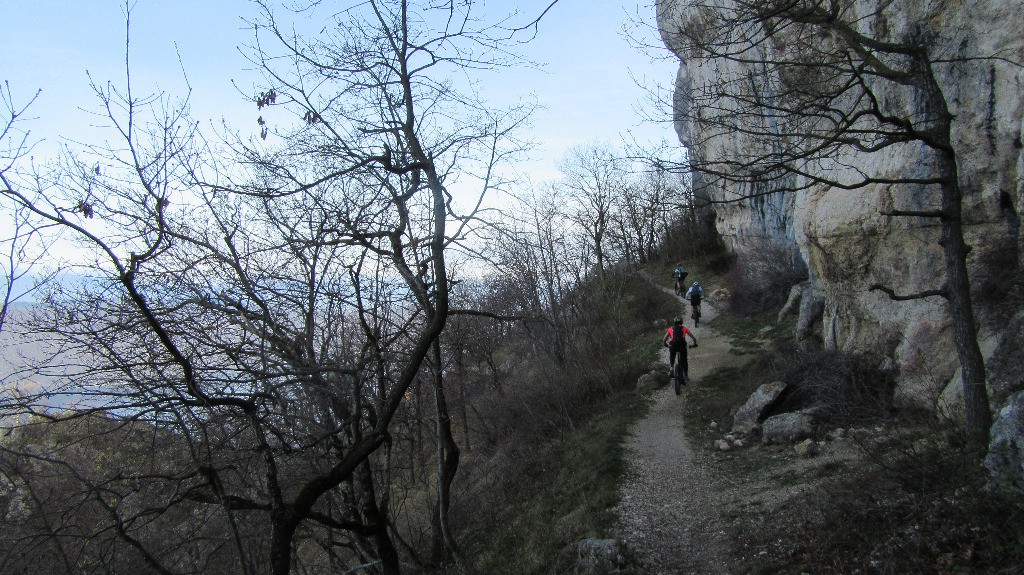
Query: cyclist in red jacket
point(675, 341)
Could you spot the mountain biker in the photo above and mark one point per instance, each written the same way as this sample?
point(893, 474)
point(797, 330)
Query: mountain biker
point(675, 341)
point(694, 295)
point(679, 274)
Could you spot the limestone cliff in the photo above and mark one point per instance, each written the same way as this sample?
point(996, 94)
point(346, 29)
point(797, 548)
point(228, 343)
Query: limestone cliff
point(842, 237)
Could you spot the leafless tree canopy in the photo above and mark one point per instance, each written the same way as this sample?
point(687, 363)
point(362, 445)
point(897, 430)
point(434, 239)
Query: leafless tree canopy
point(254, 312)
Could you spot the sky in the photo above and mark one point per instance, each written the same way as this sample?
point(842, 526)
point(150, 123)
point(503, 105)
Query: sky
point(587, 86)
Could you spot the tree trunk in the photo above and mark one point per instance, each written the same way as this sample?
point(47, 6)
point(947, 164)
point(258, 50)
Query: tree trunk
point(282, 533)
point(977, 413)
point(447, 465)
point(377, 519)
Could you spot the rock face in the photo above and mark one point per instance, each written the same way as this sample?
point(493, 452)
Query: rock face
point(1005, 459)
point(841, 237)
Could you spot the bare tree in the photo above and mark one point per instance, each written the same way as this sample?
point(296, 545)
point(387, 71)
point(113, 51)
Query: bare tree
point(540, 262)
point(644, 210)
point(269, 309)
point(23, 254)
point(595, 177)
point(805, 90)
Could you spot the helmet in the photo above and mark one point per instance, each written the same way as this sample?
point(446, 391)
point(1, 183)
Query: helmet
point(679, 319)
point(695, 284)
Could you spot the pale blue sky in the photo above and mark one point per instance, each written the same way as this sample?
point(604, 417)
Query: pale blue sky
point(585, 87)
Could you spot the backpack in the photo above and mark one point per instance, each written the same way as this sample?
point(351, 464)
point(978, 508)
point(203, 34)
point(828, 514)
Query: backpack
point(678, 338)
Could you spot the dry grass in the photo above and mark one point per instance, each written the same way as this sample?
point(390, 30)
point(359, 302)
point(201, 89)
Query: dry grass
point(897, 495)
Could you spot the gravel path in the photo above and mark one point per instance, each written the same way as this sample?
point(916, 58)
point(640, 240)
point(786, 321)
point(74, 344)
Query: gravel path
point(667, 512)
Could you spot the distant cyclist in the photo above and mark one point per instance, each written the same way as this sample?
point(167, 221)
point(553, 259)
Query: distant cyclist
point(675, 341)
point(694, 295)
point(679, 274)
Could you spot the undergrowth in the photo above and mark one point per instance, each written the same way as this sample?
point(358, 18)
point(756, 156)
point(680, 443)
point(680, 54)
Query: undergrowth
point(564, 491)
point(910, 499)
point(869, 520)
point(550, 490)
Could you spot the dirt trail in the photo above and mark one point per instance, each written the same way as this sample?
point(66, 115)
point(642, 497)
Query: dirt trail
point(667, 514)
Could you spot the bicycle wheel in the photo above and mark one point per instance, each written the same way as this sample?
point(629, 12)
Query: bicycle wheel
point(677, 379)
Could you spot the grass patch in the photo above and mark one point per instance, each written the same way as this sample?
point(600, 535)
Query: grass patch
point(565, 491)
point(711, 401)
point(750, 335)
point(871, 521)
point(912, 502)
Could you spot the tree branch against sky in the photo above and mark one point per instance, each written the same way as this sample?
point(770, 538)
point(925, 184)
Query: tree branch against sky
point(269, 302)
point(584, 70)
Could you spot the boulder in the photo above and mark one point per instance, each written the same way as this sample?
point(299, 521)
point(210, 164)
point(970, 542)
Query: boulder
point(651, 380)
point(600, 557)
point(806, 448)
point(787, 427)
point(792, 305)
point(748, 417)
point(572, 526)
point(723, 445)
point(838, 433)
point(1005, 459)
point(720, 295)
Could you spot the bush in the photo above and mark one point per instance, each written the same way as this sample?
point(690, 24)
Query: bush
point(692, 240)
point(549, 443)
point(845, 388)
point(762, 275)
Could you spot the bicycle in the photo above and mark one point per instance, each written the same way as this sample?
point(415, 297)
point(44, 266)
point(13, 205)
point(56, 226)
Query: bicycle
point(696, 315)
point(679, 275)
point(680, 286)
point(679, 377)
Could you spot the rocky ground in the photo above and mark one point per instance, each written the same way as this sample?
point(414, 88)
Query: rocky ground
point(669, 515)
point(672, 507)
